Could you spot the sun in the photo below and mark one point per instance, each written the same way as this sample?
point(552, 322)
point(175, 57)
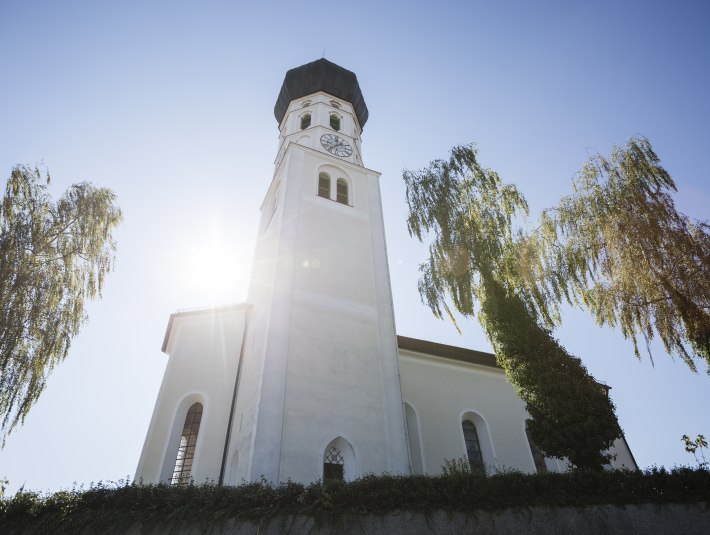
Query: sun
point(217, 268)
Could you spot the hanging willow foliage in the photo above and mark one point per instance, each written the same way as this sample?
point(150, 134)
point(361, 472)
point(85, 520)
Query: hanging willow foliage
point(52, 258)
point(619, 246)
point(474, 261)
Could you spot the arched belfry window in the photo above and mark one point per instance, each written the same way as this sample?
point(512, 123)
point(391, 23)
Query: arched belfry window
point(305, 121)
point(186, 449)
point(333, 465)
point(335, 121)
point(324, 186)
point(473, 446)
point(341, 190)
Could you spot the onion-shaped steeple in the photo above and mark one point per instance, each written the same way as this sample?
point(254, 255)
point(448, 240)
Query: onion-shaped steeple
point(321, 75)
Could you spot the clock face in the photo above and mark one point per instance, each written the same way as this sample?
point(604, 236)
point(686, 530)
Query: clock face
point(336, 145)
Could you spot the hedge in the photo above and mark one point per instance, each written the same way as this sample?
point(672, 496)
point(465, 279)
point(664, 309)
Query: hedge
point(111, 508)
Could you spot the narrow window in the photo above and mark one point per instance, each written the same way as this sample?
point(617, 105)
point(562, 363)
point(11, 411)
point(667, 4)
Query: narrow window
point(334, 121)
point(473, 446)
point(305, 121)
point(333, 465)
point(186, 450)
point(341, 190)
point(537, 454)
point(324, 186)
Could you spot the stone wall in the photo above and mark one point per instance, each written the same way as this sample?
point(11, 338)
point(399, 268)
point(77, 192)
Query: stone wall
point(667, 519)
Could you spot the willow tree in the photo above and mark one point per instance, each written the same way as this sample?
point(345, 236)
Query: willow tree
point(474, 264)
point(618, 246)
point(53, 257)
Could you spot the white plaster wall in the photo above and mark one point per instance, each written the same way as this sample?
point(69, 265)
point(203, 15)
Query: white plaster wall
point(320, 108)
point(267, 286)
point(442, 390)
point(623, 458)
point(333, 389)
point(342, 372)
point(203, 349)
point(272, 288)
point(328, 358)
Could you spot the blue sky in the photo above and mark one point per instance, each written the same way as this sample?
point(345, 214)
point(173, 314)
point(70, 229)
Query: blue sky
point(170, 104)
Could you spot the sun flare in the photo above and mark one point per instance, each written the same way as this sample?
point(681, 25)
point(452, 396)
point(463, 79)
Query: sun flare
point(218, 268)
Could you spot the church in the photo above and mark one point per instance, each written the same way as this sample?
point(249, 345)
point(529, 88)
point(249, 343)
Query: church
point(307, 379)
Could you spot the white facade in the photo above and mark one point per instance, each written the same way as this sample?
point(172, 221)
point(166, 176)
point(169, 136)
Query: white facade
point(443, 385)
point(308, 375)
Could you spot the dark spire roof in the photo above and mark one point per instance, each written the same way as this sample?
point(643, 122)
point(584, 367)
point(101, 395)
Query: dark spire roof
point(321, 75)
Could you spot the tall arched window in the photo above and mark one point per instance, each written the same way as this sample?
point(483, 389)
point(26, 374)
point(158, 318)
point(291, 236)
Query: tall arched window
point(324, 186)
point(186, 449)
point(305, 121)
point(473, 446)
point(335, 121)
point(341, 190)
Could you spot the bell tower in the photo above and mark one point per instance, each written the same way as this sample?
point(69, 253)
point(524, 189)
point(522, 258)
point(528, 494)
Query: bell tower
point(322, 323)
point(302, 381)
point(318, 119)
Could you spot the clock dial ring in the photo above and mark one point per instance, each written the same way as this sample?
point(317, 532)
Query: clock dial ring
point(336, 145)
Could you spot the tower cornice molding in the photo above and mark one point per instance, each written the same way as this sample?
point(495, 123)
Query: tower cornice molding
point(334, 159)
point(350, 111)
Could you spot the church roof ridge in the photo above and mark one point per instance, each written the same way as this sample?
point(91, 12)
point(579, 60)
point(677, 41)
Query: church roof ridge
point(450, 352)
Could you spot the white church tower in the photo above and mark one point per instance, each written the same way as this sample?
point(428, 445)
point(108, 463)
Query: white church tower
point(302, 381)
